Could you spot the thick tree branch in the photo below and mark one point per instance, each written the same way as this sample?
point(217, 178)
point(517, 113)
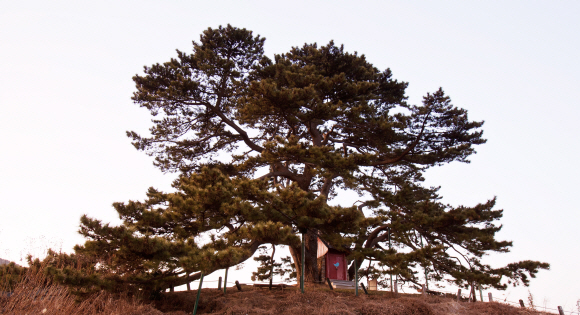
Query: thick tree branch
point(327, 135)
point(242, 133)
point(315, 133)
point(283, 171)
point(325, 190)
point(374, 234)
point(192, 277)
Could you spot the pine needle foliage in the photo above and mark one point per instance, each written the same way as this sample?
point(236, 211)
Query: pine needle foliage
point(262, 145)
point(10, 275)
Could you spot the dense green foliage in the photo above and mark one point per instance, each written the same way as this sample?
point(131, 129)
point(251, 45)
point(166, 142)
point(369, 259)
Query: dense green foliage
point(438, 240)
point(262, 145)
point(10, 275)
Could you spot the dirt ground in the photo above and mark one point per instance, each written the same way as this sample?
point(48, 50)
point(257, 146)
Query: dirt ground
point(323, 301)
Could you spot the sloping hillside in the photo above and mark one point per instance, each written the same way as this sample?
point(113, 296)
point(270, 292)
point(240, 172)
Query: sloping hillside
point(320, 301)
point(35, 294)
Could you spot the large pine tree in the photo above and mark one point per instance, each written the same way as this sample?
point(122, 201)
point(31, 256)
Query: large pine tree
point(262, 145)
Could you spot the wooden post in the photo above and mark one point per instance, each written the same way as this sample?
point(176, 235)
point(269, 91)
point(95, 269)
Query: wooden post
point(220, 284)
point(238, 286)
point(329, 284)
point(226, 280)
point(171, 289)
point(490, 296)
point(188, 287)
point(560, 310)
point(198, 293)
point(424, 290)
point(364, 289)
point(459, 295)
point(425, 268)
point(272, 266)
point(303, 261)
point(355, 278)
point(480, 293)
point(390, 269)
point(522, 303)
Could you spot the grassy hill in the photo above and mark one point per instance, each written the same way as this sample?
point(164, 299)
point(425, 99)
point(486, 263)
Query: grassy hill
point(319, 300)
point(35, 295)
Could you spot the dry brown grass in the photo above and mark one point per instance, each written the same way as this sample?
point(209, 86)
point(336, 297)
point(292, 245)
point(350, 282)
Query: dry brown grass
point(318, 300)
point(36, 295)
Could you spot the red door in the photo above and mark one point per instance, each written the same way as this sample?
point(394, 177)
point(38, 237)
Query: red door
point(335, 266)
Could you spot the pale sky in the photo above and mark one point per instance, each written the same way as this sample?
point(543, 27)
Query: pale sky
point(65, 88)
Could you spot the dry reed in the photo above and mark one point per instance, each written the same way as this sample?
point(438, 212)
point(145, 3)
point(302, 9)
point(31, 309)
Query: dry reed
point(37, 294)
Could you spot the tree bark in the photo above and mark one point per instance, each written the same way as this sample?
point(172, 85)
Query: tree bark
point(372, 240)
point(312, 270)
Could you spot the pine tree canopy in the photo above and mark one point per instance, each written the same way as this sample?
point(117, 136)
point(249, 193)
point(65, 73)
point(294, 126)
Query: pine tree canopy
point(262, 145)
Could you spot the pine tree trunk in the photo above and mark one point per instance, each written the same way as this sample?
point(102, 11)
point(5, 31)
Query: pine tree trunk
point(351, 270)
point(312, 270)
